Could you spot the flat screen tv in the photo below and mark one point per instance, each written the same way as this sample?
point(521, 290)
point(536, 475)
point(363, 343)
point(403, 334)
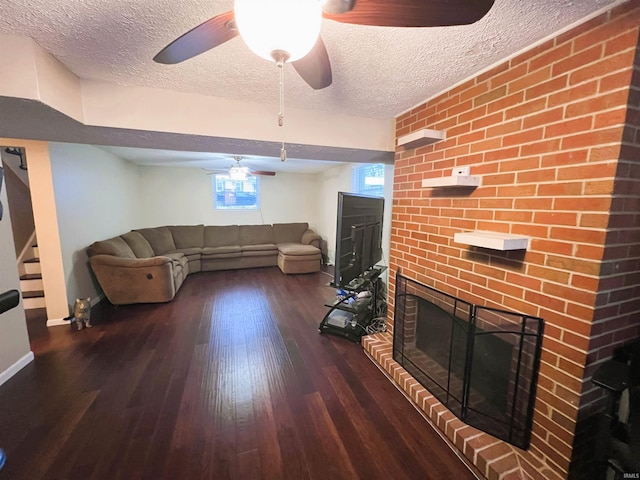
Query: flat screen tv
point(358, 236)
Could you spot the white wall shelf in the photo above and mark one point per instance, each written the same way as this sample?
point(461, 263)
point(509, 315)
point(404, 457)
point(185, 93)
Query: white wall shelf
point(420, 138)
point(451, 181)
point(493, 240)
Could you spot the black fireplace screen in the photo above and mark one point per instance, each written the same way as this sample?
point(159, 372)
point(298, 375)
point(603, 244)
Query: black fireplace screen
point(481, 363)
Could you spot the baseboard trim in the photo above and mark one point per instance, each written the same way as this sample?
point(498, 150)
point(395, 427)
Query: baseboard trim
point(56, 322)
point(16, 367)
point(97, 299)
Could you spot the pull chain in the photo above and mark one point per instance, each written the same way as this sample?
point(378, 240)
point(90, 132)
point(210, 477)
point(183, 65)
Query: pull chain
point(283, 151)
point(281, 113)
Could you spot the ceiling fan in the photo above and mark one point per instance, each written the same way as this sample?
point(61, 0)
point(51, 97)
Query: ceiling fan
point(240, 172)
point(304, 49)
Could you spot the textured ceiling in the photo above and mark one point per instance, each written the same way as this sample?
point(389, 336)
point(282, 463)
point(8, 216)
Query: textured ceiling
point(377, 72)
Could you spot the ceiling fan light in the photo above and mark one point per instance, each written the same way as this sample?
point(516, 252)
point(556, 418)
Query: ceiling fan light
point(269, 26)
point(238, 172)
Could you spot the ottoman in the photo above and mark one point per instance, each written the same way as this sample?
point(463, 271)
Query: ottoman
point(296, 258)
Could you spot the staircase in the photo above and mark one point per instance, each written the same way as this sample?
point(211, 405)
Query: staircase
point(31, 280)
point(23, 228)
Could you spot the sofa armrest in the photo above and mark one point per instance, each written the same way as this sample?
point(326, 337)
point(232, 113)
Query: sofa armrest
point(310, 237)
point(134, 280)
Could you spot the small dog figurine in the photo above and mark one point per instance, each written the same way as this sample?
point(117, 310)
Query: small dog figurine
point(82, 312)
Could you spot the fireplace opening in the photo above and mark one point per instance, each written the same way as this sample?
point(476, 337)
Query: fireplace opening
point(479, 362)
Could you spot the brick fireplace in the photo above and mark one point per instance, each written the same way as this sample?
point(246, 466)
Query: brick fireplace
point(554, 135)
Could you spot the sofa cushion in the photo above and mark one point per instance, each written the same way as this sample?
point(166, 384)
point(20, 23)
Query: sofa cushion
point(260, 253)
point(175, 255)
point(188, 236)
point(178, 259)
point(221, 235)
point(213, 256)
point(159, 238)
point(263, 247)
point(299, 258)
point(289, 232)
point(187, 251)
point(256, 234)
point(218, 250)
point(298, 250)
point(141, 248)
point(115, 246)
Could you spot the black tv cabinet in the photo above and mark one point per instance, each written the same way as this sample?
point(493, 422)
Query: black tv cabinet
point(351, 316)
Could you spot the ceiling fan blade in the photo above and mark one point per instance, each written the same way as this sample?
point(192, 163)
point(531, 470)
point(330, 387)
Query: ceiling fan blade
point(315, 67)
point(263, 172)
point(205, 36)
point(414, 13)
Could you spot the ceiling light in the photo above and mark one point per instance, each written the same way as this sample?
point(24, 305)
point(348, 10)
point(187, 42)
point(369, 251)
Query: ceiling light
point(238, 172)
point(279, 29)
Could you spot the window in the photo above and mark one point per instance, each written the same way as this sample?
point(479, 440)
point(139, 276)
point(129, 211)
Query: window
point(232, 194)
point(368, 179)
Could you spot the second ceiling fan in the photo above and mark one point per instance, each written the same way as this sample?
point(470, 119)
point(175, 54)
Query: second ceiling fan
point(240, 172)
point(309, 55)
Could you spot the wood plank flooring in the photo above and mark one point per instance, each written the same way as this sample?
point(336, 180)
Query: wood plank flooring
point(231, 380)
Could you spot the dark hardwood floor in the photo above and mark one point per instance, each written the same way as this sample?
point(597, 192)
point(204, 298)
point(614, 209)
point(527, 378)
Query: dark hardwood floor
point(229, 380)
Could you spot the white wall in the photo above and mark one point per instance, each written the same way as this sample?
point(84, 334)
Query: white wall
point(14, 340)
point(97, 197)
point(184, 196)
point(338, 179)
point(331, 181)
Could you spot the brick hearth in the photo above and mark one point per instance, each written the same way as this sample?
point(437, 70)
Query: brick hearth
point(488, 456)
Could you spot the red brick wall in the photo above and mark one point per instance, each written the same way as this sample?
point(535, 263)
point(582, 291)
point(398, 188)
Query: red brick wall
point(558, 151)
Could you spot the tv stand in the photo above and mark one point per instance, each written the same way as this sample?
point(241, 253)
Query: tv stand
point(351, 316)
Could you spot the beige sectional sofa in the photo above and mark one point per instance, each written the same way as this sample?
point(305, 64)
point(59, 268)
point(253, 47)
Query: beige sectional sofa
point(149, 265)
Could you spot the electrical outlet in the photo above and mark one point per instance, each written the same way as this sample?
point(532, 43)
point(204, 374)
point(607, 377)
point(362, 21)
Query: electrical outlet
point(461, 171)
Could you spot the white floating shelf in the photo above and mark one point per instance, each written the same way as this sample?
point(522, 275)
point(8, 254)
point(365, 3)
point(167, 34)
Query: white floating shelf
point(420, 138)
point(493, 240)
point(452, 181)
